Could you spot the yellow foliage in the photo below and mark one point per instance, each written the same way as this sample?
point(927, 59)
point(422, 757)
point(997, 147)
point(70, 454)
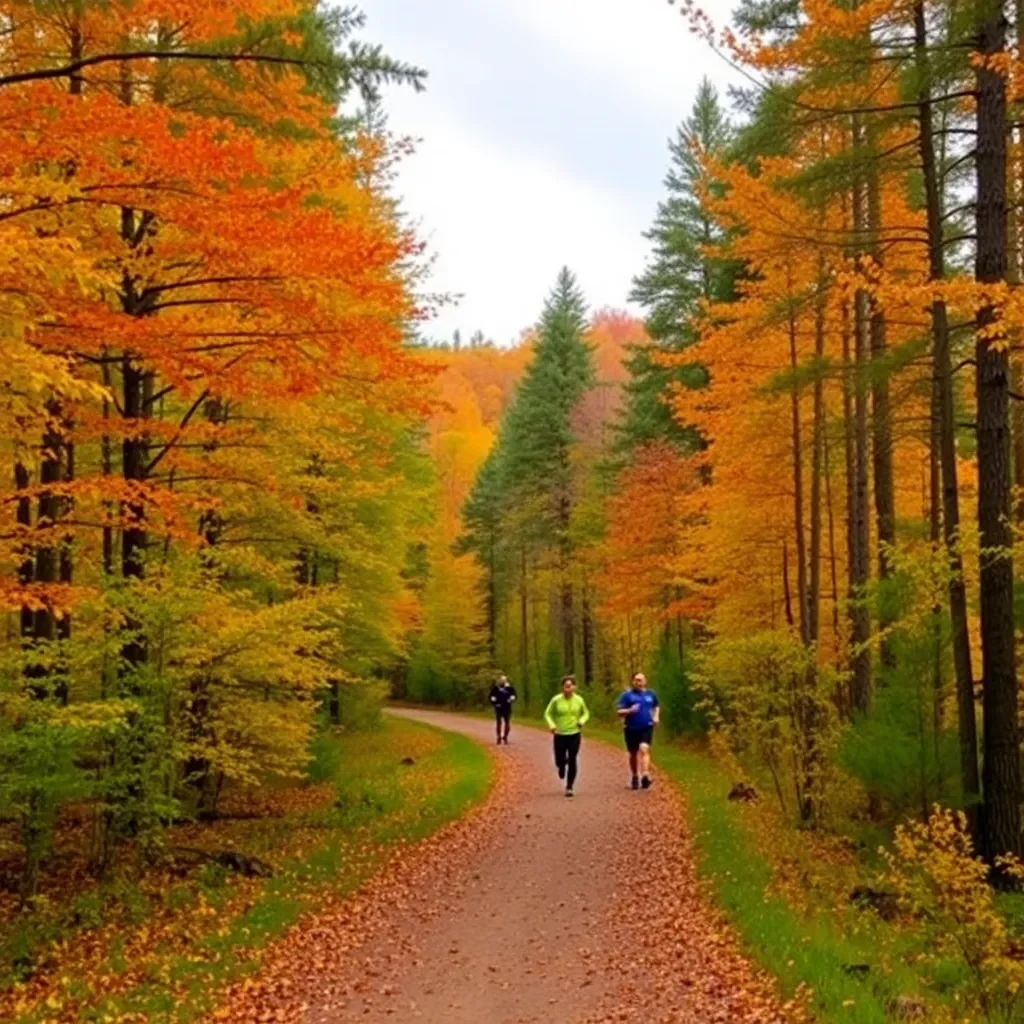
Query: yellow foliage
point(934, 869)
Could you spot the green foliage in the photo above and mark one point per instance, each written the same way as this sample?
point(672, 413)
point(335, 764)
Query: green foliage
point(521, 511)
point(902, 750)
point(379, 801)
point(324, 756)
point(43, 753)
point(682, 274)
point(360, 704)
point(434, 679)
point(803, 951)
point(537, 435)
point(670, 676)
point(772, 699)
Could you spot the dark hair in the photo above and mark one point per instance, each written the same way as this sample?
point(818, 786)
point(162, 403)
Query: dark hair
point(568, 679)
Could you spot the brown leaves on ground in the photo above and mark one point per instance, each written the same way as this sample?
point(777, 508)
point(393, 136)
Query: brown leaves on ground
point(688, 966)
point(314, 969)
point(159, 928)
point(656, 951)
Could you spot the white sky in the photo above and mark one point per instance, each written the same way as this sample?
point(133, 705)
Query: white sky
point(542, 141)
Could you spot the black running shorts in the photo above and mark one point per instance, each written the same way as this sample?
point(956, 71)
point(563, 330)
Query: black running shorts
point(634, 737)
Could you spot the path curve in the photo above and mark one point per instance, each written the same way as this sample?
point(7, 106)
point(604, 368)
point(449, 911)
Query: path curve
point(540, 909)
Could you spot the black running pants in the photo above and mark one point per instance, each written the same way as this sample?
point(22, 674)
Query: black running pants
point(567, 749)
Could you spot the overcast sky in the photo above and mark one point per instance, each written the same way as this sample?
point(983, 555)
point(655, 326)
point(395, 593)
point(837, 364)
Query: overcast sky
point(542, 141)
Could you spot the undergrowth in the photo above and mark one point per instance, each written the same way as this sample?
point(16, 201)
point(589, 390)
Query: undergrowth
point(160, 946)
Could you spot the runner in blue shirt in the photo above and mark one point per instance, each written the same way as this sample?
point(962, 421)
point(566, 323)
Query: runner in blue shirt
point(640, 713)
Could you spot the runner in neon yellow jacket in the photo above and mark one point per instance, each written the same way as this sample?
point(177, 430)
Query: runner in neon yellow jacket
point(565, 714)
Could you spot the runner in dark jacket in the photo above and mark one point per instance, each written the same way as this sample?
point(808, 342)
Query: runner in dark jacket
point(503, 695)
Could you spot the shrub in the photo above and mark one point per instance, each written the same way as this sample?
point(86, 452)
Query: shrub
point(772, 700)
point(940, 880)
point(900, 750)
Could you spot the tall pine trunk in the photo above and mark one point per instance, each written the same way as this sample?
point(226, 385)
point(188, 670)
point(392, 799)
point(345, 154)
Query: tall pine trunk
point(1000, 824)
point(881, 420)
point(860, 620)
point(798, 483)
point(1015, 272)
point(944, 436)
point(817, 464)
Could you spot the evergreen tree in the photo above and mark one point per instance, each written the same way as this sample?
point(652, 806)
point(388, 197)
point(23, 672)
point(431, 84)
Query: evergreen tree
point(679, 276)
point(537, 435)
point(523, 500)
point(481, 516)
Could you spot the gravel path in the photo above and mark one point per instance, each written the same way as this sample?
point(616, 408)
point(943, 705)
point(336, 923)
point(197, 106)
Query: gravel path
point(537, 908)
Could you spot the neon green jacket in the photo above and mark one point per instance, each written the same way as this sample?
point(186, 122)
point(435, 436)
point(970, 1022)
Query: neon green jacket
point(566, 716)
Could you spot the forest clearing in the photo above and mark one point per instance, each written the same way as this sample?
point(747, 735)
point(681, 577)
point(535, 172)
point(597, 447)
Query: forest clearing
point(263, 508)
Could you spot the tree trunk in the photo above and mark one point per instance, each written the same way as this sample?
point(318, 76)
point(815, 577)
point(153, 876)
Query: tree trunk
point(51, 472)
point(567, 617)
point(524, 645)
point(798, 483)
point(588, 638)
point(881, 416)
point(817, 462)
point(832, 557)
point(107, 468)
point(1000, 824)
point(859, 692)
point(134, 458)
point(944, 439)
point(26, 564)
point(1014, 275)
point(47, 679)
point(855, 402)
point(787, 596)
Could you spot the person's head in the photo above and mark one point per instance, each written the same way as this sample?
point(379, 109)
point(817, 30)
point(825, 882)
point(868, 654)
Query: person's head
point(568, 686)
point(502, 679)
point(639, 681)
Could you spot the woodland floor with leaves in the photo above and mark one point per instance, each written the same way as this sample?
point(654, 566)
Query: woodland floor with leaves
point(160, 941)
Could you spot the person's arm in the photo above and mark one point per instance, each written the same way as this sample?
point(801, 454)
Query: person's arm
point(657, 709)
point(512, 694)
point(584, 714)
point(547, 714)
point(624, 706)
point(494, 695)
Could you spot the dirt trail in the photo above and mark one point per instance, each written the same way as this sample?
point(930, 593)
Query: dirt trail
point(538, 909)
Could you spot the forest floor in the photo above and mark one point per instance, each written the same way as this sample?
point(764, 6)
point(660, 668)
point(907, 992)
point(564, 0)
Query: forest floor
point(162, 938)
point(533, 908)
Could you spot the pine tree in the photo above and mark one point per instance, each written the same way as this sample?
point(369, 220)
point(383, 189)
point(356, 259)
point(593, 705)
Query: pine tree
point(533, 462)
point(481, 516)
point(537, 436)
point(679, 277)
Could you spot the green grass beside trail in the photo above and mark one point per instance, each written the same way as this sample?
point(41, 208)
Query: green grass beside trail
point(800, 950)
point(211, 928)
